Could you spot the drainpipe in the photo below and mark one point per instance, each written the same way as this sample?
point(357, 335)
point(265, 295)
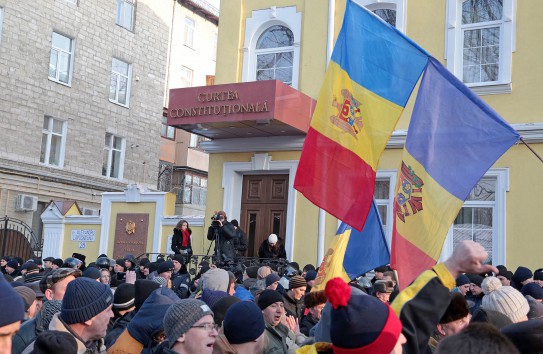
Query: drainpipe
point(329, 48)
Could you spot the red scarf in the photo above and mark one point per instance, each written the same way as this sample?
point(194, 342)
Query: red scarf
point(186, 238)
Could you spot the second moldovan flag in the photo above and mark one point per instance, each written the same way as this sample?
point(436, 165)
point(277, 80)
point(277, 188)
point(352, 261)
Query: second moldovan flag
point(454, 137)
point(370, 77)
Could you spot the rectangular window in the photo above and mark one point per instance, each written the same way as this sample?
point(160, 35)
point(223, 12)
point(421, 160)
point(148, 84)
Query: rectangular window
point(125, 14)
point(384, 199)
point(480, 43)
point(193, 190)
point(186, 77)
point(53, 142)
point(113, 161)
point(119, 89)
point(188, 40)
point(167, 131)
point(61, 59)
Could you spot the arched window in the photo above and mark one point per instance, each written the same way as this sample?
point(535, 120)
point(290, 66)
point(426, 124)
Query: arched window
point(274, 55)
point(391, 11)
point(271, 50)
point(388, 15)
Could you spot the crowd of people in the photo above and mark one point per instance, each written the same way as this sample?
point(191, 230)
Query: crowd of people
point(134, 305)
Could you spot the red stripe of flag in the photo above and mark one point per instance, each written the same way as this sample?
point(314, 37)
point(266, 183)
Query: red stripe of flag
point(409, 259)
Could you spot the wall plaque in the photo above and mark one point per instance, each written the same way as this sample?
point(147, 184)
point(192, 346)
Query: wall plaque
point(130, 235)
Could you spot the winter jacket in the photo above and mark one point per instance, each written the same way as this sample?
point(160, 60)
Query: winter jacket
point(240, 242)
point(225, 235)
point(307, 323)
point(264, 250)
point(279, 339)
point(90, 347)
point(293, 307)
point(177, 242)
point(118, 327)
point(181, 285)
point(147, 322)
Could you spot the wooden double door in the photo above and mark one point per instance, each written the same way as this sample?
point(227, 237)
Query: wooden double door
point(264, 203)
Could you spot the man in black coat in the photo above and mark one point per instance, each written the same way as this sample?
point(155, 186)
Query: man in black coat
point(222, 232)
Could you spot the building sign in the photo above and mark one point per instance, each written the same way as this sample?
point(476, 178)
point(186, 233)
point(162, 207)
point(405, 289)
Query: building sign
point(83, 235)
point(130, 234)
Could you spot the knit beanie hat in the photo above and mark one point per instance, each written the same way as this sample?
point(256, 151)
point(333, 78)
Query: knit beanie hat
point(296, 281)
point(13, 264)
point(220, 307)
point(92, 273)
point(211, 297)
point(28, 295)
point(180, 258)
point(532, 289)
point(13, 308)
point(351, 331)
point(272, 239)
point(181, 316)
point(55, 342)
point(84, 299)
point(143, 288)
point(216, 279)
point(268, 297)
point(522, 274)
point(314, 298)
point(161, 281)
point(243, 323)
point(272, 278)
point(124, 296)
point(504, 299)
point(457, 309)
point(462, 280)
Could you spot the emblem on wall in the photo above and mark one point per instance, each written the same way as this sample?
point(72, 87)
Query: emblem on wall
point(130, 227)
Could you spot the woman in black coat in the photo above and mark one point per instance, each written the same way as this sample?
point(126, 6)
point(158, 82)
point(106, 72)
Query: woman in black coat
point(181, 241)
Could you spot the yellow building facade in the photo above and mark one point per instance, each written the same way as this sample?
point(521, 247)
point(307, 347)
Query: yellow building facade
point(491, 45)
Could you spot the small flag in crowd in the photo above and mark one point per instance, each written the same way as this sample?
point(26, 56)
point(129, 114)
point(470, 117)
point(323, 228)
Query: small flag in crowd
point(454, 137)
point(353, 253)
point(370, 77)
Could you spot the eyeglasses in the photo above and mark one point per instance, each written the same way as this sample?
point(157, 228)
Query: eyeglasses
point(208, 326)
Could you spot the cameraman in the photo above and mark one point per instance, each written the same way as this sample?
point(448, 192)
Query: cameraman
point(223, 233)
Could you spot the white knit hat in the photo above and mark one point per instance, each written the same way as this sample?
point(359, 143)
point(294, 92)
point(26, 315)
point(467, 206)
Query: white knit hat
point(504, 299)
point(272, 238)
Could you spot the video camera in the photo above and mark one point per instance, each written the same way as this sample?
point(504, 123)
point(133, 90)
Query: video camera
point(215, 221)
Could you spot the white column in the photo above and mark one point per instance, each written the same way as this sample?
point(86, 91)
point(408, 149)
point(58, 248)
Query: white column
point(320, 241)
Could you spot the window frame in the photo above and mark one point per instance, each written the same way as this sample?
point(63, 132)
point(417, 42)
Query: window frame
point(189, 28)
point(128, 86)
point(71, 53)
point(391, 176)
point(110, 150)
point(164, 122)
point(188, 189)
point(498, 218)
point(184, 70)
point(454, 46)
point(257, 24)
point(273, 50)
point(400, 6)
point(49, 132)
point(121, 11)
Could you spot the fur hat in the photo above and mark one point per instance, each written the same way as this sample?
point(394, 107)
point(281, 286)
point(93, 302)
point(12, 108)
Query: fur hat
point(504, 299)
point(314, 298)
point(457, 309)
point(350, 328)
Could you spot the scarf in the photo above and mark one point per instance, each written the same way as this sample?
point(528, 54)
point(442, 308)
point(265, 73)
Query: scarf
point(186, 238)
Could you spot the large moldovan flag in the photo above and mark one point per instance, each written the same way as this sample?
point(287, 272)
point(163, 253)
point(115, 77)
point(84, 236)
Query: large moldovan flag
point(353, 253)
point(371, 75)
point(454, 137)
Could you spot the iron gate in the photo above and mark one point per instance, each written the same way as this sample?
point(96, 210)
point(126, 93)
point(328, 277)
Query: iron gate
point(18, 239)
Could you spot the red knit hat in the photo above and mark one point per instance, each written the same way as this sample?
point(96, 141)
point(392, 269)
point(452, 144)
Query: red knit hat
point(360, 323)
